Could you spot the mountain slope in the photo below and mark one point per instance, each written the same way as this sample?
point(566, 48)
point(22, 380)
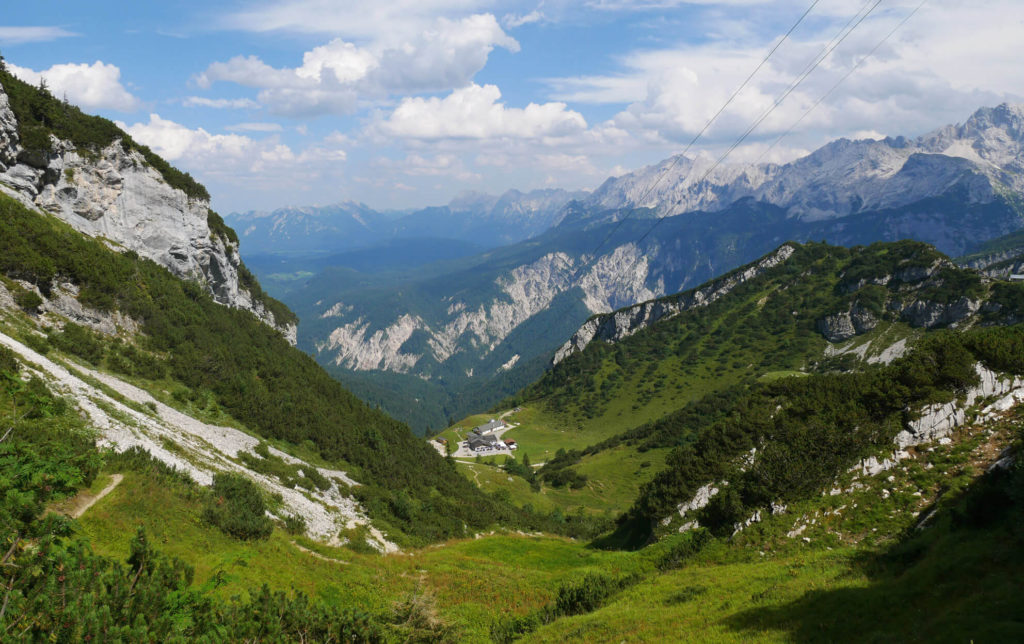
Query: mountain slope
point(87, 172)
point(956, 189)
point(173, 329)
point(597, 419)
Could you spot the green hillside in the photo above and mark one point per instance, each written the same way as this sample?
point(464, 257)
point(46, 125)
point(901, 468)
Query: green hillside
point(856, 551)
point(640, 397)
point(247, 369)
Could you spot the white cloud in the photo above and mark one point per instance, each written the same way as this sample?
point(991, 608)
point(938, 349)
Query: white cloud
point(948, 60)
point(254, 127)
point(96, 86)
point(221, 103)
point(335, 77)
point(474, 112)
point(20, 35)
point(362, 20)
point(227, 155)
point(511, 20)
point(174, 141)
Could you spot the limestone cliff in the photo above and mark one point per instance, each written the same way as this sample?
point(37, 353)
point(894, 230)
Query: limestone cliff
point(612, 327)
point(474, 330)
point(114, 194)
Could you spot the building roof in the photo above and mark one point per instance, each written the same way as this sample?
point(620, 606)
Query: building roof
point(482, 441)
point(489, 427)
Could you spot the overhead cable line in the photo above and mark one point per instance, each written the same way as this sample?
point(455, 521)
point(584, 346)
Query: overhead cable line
point(675, 159)
point(778, 101)
point(824, 96)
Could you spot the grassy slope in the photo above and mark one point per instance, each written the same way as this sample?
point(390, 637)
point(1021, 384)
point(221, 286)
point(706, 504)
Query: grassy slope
point(849, 583)
point(473, 581)
point(747, 336)
point(236, 364)
point(860, 572)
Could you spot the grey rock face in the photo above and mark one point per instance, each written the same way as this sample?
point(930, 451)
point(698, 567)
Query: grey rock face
point(843, 326)
point(8, 134)
point(837, 327)
point(939, 420)
point(118, 197)
point(928, 315)
point(615, 326)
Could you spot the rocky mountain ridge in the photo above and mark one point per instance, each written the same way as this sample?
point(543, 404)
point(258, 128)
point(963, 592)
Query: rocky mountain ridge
point(612, 327)
point(478, 328)
point(979, 158)
point(114, 194)
point(954, 188)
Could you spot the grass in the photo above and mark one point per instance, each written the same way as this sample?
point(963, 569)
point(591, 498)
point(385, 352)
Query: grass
point(770, 376)
point(614, 476)
point(472, 581)
point(699, 602)
point(856, 579)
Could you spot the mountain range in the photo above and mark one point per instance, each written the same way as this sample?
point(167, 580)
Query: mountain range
point(821, 444)
point(484, 220)
point(462, 334)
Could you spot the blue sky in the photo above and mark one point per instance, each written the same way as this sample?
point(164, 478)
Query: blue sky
point(406, 103)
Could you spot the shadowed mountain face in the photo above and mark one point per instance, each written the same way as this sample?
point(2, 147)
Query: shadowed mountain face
point(464, 333)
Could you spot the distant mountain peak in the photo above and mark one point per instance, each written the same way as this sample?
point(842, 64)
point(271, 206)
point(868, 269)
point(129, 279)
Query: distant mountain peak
point(840, 178)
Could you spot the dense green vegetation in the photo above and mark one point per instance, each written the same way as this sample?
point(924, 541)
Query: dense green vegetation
point(236, 507)
point(252, 372)
point(806, 431)
point(41, 115)
point(766, 324)
point(729, 364)
point(55, 587)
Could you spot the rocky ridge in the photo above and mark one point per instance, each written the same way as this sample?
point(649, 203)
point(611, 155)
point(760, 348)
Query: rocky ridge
point(978, 159)
point(612, 327)
point(612, 280)
point(114, 195)
point(904, 301)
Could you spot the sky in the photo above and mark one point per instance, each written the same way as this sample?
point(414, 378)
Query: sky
point(408, 103)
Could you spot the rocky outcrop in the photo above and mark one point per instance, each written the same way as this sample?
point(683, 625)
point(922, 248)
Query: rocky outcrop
point(8, 134)
point(623, 323)
point(113, 194)
point(938, 420)
point(843, 326)
point(929, 315)
point(618, 277)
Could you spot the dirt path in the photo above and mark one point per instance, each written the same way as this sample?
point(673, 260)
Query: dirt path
point(318, 555)
point(86, 501)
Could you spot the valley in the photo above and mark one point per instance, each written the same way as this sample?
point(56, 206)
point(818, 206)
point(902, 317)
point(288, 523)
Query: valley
point(464, 331)
point(780, 402)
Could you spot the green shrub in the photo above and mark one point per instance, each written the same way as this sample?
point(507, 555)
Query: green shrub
point(295, 524)
point(220, 229)
point(584, 595)
point(80, 341)
point(29, 301)
point(38, 343)
point(237, 507)
point(8, 361)
point(684, 549)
